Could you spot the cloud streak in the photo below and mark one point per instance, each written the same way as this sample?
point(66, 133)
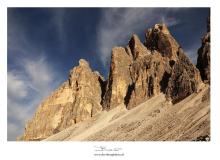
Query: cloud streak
point(27, 87)
point(31, 76)
point(117, 25)
point(18, 85)
point(57, 20)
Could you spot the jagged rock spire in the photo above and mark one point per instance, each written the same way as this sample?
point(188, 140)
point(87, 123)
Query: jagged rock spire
point(136, 47)
point(159, 38)
point(75, 100)
point(118, 79)
point(141, 72)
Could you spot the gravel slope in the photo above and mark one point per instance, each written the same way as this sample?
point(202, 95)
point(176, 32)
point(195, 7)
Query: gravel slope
point(153, 120)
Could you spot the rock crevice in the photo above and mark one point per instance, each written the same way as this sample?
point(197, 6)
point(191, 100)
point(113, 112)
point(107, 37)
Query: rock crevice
point(203, 61)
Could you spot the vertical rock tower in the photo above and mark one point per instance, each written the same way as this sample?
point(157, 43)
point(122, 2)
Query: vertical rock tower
point(140, 71)
point(75, 100)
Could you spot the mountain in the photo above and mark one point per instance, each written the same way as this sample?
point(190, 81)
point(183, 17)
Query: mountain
point(153, 92)
point(139, 72)
point(153, 120)
point(203, 61)
point(75, 100)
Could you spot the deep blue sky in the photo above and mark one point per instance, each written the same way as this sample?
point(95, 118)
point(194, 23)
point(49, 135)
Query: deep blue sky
point(45, 43)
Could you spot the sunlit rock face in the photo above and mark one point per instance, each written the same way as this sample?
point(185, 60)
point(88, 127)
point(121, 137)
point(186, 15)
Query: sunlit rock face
point(138, 72)
point(75, 100)
point(119, 78)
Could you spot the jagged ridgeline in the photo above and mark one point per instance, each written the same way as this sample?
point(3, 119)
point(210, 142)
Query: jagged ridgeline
point(138, 72)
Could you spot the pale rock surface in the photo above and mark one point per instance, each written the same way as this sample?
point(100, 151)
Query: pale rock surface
point(119, 78)
point(75, 100)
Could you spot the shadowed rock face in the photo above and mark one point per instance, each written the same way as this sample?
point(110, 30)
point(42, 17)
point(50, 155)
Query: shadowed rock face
point(146, 74)
point(184, 80)
point(76, 100)
point(159, 66)
point(159, 38)
point(203, 61)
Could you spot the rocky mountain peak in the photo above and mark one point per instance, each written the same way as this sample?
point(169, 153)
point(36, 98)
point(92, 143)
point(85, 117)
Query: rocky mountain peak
point(79, 72)
point(136, 47)
point(159, 38)
point(118, 79)
point(83, 63)
point(138, 72)
point(77, 99)
point(161, 28)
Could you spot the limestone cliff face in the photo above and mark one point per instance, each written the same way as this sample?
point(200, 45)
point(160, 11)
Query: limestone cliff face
point(137, 72)
point(158, 66)
point(184, 79)
point(203, 61)
point(146, 74)
point(75, 100)
point(119, 78)
point(86, 86)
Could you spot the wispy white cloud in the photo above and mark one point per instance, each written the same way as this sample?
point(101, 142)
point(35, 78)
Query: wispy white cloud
point(40, 73)
point(170, 21)
point(18, 41)
point(18, 84)
point(57, 21)
point(30, 79)
point(27, 87)
point(117, 24)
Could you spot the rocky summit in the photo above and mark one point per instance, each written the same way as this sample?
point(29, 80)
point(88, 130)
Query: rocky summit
point(138, 72)
point(75, 100)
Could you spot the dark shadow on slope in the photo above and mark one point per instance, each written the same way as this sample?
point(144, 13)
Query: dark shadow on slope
point(128, 94)
point(164, 82)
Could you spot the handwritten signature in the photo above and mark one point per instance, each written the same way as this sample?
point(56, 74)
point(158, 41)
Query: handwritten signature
point(108, 149)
